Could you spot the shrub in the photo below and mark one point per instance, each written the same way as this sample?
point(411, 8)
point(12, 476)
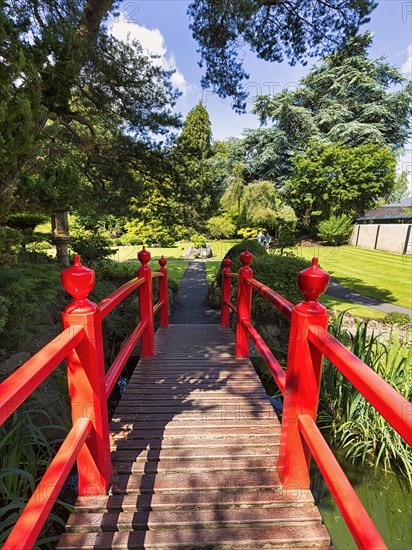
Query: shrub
point(26, 222)
point(336, 230)
point(198, 240)
point(352, 424)
point(91, 247)
point(220, 227)
point(250, 232)
point(397, 318)
point(277, 272)
point(10, 240)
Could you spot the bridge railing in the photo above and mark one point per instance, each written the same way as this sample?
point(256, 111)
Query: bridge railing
point(309, 342)
point(81, 343)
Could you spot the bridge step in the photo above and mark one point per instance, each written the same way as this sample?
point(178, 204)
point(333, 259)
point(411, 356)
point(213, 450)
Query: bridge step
point(194, 444)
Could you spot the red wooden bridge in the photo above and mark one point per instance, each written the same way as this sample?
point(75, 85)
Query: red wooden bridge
point(194, 456)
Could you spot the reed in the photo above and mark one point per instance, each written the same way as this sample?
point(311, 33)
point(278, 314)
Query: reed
point(353, 426)
point(25, 453)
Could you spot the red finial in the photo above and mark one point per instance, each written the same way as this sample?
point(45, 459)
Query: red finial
point(78, 281)
point(144, 256)
point(313, 281)
point(246, 257)
point(227, 262)
point(162, 261)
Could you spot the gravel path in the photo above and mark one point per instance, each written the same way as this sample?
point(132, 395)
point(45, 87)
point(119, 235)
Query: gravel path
point(338, 291)
point(190, 302)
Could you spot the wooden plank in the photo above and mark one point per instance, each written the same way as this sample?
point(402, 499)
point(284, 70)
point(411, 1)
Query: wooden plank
point(194, 444)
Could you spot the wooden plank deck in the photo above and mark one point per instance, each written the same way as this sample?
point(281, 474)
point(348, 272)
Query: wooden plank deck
point(194, 446)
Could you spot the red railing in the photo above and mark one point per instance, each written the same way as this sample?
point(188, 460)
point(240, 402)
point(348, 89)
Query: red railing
point(309, 342)
point(89, 386)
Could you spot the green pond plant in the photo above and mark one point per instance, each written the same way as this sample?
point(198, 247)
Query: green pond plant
point(352, 425)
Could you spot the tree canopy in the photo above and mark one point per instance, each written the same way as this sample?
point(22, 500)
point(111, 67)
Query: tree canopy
point(273, 30)
point(74, 95)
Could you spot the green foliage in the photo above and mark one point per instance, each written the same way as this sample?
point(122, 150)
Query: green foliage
point(336, 230)
point(397, 318)
point(358, 430)
point(348, 98)
point(139, 232)
point(262, 206)
point(195, 193)
point(219, 227)
point(273, 31)
point(28, 288)
point(91, 246)
point(277, 272)
point(10, 240)
point(250, 232)
point(26, 223)
point(198, 240)
point(338, 179)
point(26, 452)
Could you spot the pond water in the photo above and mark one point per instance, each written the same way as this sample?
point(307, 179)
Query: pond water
point(386, 499)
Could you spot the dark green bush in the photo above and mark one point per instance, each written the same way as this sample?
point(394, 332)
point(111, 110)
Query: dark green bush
point(92, 247)
point(28, 288)
point(397, 318)
point(10, 241)
point(278, 272)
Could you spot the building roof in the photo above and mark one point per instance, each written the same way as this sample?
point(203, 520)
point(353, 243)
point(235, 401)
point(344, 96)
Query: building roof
point(398, 211)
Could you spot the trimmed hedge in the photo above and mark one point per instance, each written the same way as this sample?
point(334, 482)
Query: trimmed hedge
point(278, 272)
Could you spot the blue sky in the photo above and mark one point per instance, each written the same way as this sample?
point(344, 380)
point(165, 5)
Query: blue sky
point(162, 26)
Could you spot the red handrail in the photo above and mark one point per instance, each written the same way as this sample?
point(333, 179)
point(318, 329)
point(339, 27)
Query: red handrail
point(81, 343)
point(36, 511)
point(283, 305)
point(117, 296)
point(385, 399)
point(360, 524)
point(269, 358)
point(309, 341)
point(19, 385)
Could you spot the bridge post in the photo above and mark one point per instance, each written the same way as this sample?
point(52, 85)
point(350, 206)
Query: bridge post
point(146, 304)
point(164, 293)
point(226, 289)
point(86, 380)
point(303, 375)
point(244, 302)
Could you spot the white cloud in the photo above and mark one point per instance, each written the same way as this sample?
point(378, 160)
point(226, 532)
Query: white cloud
point(406, 68)
point(152, 40)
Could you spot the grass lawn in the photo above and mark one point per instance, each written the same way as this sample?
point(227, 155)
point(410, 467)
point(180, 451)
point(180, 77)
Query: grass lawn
point(380, 275)
point(358, 311)
point(328, 301)
point(175, 270)
point(211, 270)
point(125, 253)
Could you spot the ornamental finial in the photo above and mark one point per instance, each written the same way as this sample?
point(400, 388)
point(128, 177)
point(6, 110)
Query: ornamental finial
point(144, 256)
point(227, 262)
point(246, 257)
point(313, 281)
point(162, 261)
point(78, 281)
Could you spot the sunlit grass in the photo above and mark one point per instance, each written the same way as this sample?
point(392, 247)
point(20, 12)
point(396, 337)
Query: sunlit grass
point(380, 275)
point(127, 253)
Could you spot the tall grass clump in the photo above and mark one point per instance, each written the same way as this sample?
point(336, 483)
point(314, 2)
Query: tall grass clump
point(353, 425)
point(25, 454)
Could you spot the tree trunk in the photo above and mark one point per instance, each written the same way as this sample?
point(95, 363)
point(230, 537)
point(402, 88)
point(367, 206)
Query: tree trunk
point(61, 234)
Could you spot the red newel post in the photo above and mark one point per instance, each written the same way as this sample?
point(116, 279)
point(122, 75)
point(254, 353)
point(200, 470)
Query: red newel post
point(146, 303)
point(303, 374)
point(86, 379)
point(244, 302)
point(226, 288)
point(164, 294)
